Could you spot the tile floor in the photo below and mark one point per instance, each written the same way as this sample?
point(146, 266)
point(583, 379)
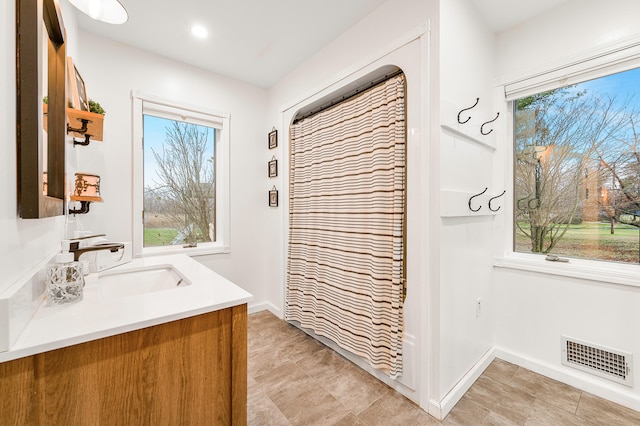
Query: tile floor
point(294, 380)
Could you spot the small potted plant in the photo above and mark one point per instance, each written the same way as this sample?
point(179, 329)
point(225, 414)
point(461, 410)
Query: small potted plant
point(96, 108)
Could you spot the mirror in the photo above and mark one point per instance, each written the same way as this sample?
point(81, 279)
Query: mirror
point(40, 161)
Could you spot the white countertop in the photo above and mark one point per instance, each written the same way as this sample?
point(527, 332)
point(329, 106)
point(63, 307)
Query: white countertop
point(96, 317)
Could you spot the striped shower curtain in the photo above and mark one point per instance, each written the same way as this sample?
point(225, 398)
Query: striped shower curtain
point(345, 277)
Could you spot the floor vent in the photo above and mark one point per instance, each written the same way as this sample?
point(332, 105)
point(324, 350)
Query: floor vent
point(610, 364)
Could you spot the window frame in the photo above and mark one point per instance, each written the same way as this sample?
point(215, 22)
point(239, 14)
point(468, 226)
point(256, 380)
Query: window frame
point(164, 108)
point(594, 64)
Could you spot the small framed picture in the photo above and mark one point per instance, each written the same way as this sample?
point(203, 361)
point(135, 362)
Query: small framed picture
point(273, 139)
point(78, 90)
point(273, 168)
point(273, 198)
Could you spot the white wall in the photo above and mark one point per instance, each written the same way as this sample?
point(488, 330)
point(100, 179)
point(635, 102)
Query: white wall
point(466, 242)
point(533, 310)
point(25, 243)
point(111, 71)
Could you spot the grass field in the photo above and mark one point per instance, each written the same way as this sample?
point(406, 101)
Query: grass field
point(594, 241)
point(159, 236)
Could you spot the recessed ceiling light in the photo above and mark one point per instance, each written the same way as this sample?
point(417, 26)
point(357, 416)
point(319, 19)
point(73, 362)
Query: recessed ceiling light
point(109, 11)
point(199, 31)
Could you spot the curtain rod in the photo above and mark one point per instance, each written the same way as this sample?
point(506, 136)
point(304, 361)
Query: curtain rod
point(350, 94)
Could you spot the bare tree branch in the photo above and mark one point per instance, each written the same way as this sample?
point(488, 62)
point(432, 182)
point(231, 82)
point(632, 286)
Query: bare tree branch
point(186, 180)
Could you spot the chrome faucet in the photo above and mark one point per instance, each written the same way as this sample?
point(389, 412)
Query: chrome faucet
point(77, 251)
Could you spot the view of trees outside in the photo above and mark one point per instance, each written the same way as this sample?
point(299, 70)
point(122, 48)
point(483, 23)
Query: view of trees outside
point(179, 183)
point(577, 170)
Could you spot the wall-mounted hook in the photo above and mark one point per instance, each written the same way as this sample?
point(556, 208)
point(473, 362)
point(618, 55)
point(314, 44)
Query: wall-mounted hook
point(474, 196)
point(467, 109)
point(493, 198)
point(485, 123)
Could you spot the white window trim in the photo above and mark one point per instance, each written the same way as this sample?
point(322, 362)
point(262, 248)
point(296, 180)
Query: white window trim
point(590, 270)
point(196, 114)
point(595, 63)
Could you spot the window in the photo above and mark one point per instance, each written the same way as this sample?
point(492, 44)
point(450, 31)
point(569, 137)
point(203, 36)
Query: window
point(180, 178)
point(577, 170)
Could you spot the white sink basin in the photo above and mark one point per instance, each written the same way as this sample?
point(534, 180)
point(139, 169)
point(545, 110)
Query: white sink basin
point(147, 279)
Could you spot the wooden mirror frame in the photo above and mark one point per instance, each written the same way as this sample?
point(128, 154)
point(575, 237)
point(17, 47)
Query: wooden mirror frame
point(30, 17)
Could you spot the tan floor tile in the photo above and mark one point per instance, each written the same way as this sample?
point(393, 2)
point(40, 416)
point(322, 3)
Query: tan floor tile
point(262, 411)
point(300, 346)
point(495, 419)
point(394, 409)
point(511, 403)
point(553, 392)
point(326, 363)
point(350, 420)
point(286, 376)
point(355, 390)
point(295, 380)
point(268, 325)
point(602, 412)
point(252, 385)
point(264, 361)
point(310, 405)
point(466, 412)
point(500, 371)
point(300, 398)
point(545, 414)
point(352, 386)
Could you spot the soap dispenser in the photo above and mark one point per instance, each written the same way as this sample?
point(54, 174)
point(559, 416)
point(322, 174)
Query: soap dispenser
point(65, 280)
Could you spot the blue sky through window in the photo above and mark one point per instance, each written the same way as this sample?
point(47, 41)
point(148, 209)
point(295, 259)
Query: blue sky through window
point(622, 85)
point(154, 138)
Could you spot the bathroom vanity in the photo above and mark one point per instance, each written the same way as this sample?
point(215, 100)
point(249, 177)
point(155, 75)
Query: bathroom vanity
point(163, 356)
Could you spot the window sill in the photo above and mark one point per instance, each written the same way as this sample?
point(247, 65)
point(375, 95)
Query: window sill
point(613, 273)
point(191, 251)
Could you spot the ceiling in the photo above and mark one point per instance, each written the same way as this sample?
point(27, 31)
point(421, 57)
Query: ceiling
point(260, 41)
point(255, 41)
point(504, 14)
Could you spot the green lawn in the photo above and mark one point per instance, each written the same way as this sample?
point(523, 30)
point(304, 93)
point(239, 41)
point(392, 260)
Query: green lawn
point(594, 241)
point(159, 236)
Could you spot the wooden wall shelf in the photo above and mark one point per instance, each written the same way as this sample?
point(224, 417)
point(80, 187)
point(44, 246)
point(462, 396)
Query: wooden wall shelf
point(458, 134)
point(95, 123)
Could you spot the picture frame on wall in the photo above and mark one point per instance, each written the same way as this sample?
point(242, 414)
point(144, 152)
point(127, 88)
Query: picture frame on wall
point(273, 139)
point(273, 197)
point(273, 168)
point(78, 90)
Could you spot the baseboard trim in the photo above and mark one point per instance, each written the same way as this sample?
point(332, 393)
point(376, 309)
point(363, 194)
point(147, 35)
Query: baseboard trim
point(265, 306)
point(440, 409)
point(600, 387)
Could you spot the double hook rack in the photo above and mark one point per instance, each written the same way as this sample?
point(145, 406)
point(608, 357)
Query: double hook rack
point(469, 118)
point(489, 203)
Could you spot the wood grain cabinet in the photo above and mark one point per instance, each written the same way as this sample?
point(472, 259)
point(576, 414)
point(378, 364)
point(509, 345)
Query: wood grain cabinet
point(187, 372)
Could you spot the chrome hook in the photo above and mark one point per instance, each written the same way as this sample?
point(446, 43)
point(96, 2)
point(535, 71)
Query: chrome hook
point(484, 124)
point(474, 196)
point(466, 109)
point(493, 198)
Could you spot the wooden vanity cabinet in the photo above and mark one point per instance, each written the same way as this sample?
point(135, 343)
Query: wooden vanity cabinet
point(186, 372)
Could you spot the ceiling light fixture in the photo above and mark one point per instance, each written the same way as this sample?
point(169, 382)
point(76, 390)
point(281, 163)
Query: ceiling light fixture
point(109, 11)
point(199, 31)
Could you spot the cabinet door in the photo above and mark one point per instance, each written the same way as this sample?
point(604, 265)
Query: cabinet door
point(191, 371)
